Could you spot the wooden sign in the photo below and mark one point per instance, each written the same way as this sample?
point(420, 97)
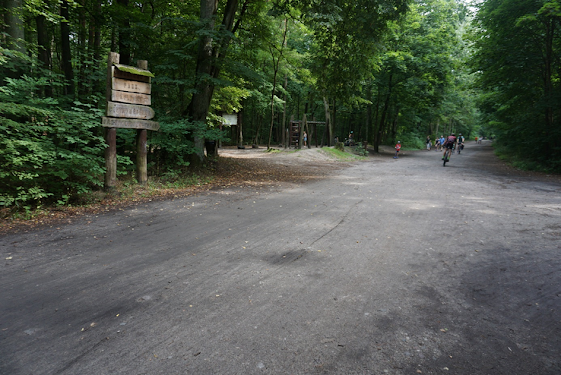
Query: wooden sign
point(125, 123)
point(129, 111)
point(125, 73)
point(130, 86)
point(130, 97)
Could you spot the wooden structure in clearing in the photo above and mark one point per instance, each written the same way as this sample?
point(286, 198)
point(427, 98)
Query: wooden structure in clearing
point(128, 101)
point(297, 129)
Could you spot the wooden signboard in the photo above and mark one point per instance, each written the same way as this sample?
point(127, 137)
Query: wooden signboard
point(127, 123)
point(122, 110)
point(128, 100)
point(130, 97)
point(130, 86)
point(120, 71)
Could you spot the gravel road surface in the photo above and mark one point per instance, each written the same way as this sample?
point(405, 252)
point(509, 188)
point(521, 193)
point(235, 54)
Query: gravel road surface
point(384, 267)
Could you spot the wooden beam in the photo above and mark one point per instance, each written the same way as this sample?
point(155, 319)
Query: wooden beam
point(110, 133)
point(129, 111)
point(129, 76)
point(111, 158)
point(141, 157)
point(124, 123)
point(130, 86)
point(130, 97)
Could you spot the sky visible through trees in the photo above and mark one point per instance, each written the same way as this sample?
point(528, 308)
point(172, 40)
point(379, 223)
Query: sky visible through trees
point(386, 70)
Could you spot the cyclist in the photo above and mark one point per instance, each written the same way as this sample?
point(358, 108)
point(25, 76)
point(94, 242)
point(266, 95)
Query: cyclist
point(460, 145)
point(449, 145)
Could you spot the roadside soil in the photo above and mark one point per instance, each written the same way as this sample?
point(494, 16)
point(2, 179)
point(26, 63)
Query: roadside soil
point(311, 266)
point(244, 169)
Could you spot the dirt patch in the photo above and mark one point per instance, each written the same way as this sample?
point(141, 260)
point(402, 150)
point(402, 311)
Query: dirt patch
point(249, 168)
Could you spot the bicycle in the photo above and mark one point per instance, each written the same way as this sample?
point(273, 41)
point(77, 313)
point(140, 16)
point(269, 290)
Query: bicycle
point(447, 154)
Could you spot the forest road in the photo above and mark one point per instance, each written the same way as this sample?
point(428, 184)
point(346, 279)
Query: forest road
point(385, 267)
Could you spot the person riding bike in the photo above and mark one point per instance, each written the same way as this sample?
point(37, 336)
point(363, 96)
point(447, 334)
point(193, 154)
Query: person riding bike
point(449, 145)
point(460, 145)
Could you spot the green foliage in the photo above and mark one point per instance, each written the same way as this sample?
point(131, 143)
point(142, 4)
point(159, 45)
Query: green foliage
point(341, 155)
point(50, 153)
point(173, 145)
point(361, 151)
point(412, 141)
point(517, 59)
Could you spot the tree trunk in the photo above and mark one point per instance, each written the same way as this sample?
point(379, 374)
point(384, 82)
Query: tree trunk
point(14, 24)
point(333, 123)
point(200, 102)
point(65, 49)
point(276, 66)
point(385, 109)
point(368, 119)
point(376, 136)
point(256, 139)
point(548, 85)
point(283, 124)
point(44, 48)
point(124, 33)
point(394, 124)
point(240, 129)
point(328, 127)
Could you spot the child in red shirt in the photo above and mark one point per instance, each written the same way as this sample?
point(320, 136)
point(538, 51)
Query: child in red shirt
point(397, 148)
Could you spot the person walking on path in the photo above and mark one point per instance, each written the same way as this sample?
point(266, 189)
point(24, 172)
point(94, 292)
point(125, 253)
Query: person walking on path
point(429, 143)
point(305, 138)
point(397, 148)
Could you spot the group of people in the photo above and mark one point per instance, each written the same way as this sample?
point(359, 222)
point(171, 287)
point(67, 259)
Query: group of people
point(449, 143)
point(452, 143)
point(440, 143)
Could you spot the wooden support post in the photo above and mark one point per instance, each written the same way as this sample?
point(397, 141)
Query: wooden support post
point(240, 130)
point(110, 133)
point(141, 135)
point(301, 128)
point(141, 156)
point(290, 133)
point(110, 158)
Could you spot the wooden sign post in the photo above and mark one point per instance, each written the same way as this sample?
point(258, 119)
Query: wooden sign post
point(128, 101)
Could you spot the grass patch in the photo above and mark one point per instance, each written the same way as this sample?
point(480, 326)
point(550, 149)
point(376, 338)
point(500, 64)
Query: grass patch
point(523, 164)
point(346, 155)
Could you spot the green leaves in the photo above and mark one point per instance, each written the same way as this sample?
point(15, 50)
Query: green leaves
point(48, 151)
point(517, 59)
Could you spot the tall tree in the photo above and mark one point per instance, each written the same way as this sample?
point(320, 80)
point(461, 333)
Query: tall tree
point(66, 50)
point(518, 50)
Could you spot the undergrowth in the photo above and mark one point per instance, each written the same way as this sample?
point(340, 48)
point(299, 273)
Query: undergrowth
point(342, 155)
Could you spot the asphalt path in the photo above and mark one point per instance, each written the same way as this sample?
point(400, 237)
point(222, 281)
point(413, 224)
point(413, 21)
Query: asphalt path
point(385, 267)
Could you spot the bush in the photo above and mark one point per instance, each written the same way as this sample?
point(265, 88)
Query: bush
point(412, 142)
point(48, 153)
point(361, 151)
point(172, 146)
